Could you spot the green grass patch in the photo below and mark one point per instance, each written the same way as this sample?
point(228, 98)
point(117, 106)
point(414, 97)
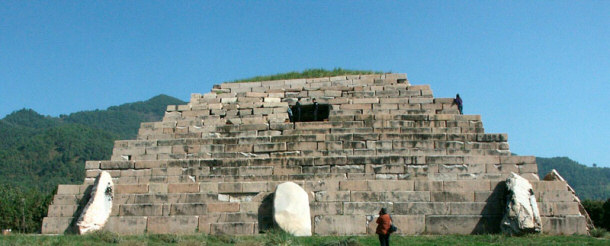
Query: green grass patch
point(279, 238)
point(309, 73)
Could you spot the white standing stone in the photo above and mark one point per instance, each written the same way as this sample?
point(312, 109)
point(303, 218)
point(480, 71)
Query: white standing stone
point(96, 212)
point(521, 215)
point(291, 209)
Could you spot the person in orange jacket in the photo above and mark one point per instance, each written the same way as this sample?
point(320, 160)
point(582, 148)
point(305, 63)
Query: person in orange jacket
point(383, 227)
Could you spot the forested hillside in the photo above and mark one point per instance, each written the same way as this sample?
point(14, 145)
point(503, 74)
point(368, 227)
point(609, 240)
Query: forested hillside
point(589, 182)
point(39, 151)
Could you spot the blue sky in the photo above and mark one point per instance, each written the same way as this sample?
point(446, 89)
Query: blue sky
point(537, 70)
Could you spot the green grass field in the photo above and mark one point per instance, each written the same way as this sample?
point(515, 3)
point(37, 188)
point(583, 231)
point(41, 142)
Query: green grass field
point(284, 239)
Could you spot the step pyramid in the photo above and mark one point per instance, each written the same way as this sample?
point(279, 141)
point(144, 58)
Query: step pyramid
point(211, 166)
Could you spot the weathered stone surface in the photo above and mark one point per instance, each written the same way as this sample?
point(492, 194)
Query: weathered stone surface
point(522, 214)
point(126, 225)
point(56, 225)
point(565, 225)
point(96, 212)
point(172, 224)
point(291, 209)
point(236, 228)
point(462, 224)
point(340, 224)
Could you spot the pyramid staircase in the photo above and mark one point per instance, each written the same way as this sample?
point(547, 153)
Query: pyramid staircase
point(211, 166)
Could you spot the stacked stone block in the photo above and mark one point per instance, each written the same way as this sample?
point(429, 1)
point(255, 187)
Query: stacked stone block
point(210, 166)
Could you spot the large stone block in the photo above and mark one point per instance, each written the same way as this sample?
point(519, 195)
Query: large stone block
point(333, 196)
point(466, 185)
point(408, 196)
point(183, 188)
point(65, 199)
point(427, 208)
point(238, 228)
point(326, 208)
point(462, 224)
point(565, 225)
point(558, 208)
point(555, 196)
point(223, 207)
point(172, 224)
point(348, 169)
point(321, 185)
point(131, 188)
point(126, 225)
point(56, 225)
point(452, 196)
point(340, 224)
point(141, 209)
point(427, 185)
point(269, 147)
point(188, 209)
point(476, 208)
point(517, 159)
point(68, 189)
point(92, 164)
point(544, 185)
point(256, 171)
point(365, 208)
point(117, 164)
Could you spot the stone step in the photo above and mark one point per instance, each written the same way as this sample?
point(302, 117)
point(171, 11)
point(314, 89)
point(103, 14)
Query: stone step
point(249, 168)
point(462, 224)
point(165, 198)
point(290, 134)
point(414, 148)
point(479, 191)
point(56, 225)
point(305, 140)
point(564, 225)
point(399, 158)
point(238, 223)
point(279, 116)
point(356, 224)
point(176, 209)
point(202, 119)
point(372, 126)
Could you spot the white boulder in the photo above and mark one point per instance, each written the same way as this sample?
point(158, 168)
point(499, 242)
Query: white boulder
point(521, 215)
point(96, 212)
point(291, 209)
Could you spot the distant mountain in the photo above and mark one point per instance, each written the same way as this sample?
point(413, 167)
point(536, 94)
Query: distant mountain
point(41, 151)
point(591, 183)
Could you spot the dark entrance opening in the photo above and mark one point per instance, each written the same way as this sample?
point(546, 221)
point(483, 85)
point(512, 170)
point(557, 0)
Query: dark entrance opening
point(307, 113)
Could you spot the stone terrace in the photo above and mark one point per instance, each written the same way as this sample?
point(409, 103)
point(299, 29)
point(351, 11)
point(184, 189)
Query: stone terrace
point(210, 166)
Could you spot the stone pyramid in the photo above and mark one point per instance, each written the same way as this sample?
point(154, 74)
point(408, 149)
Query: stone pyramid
point(211, 166)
